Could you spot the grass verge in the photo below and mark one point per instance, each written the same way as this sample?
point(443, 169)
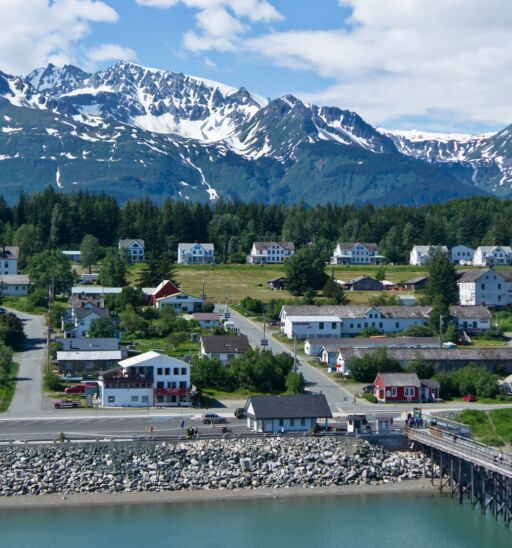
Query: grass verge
point(7, 388)
point(23, 304)
point(492, 428)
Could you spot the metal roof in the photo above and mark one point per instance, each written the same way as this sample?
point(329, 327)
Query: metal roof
point(400, 379)
point(226, 344)
point(86, 343)
point(89, 355)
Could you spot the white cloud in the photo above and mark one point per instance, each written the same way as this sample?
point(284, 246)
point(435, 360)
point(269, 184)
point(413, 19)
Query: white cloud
point(398, 59)
point(220, 23)
point(111, 52)
point(36, 32)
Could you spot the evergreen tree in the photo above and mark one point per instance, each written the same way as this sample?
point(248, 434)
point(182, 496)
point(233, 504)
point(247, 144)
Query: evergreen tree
point(334, 291)
point(442, 280)
point(113, 269)
point(157, 270)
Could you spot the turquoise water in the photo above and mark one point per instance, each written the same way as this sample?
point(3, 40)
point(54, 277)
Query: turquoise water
point(359, 521)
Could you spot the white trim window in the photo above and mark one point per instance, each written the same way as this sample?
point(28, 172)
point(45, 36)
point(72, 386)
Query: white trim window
point(409, 392)
point(394, 392)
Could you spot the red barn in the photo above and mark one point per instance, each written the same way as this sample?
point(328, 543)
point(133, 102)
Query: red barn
point(164, 289)
point(397, 387)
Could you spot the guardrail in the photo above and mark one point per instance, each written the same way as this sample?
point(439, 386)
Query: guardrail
point(473, 451)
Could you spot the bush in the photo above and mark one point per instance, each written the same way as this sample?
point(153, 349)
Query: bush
point(365, 369)
point(295, 383)
point(369, 332)
point(250, 304)
point(372, 398)
point(418, 331)
point(52, 382)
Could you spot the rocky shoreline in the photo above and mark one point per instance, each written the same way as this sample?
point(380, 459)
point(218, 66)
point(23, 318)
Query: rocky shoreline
point(272, 463)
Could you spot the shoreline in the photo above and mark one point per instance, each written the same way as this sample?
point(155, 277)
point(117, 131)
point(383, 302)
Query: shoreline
point(418, 487)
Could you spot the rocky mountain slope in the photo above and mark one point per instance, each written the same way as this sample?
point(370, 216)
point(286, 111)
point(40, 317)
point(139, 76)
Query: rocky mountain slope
point(133, 131)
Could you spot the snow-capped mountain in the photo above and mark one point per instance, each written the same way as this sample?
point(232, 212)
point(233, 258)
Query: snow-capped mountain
point(136, 131)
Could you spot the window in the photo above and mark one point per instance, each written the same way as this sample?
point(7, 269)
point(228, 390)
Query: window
point(393, 392)
point(145, 399)
point(303, 422)
point(111, 399)
point(159, 371)
point(333, 325)
point(176, 371)
point(292, 422)
point(320, 325)
point(397, 325)
point(135, 399)
point(183, 384)
point(409, 391)
point(167, 370)
point(281, 422)
point(183, 370)
point(482, 286)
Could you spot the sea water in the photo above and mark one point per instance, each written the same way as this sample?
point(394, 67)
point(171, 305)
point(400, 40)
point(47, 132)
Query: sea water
point(345, 521)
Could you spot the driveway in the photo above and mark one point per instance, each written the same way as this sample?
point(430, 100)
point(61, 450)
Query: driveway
point(28, 396)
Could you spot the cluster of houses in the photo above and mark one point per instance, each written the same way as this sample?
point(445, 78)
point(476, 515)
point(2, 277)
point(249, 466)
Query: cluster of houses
point(485, 255)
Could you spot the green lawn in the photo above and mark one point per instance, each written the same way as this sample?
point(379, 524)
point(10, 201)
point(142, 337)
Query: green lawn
point(161, 345)
point(492, 428)
point(7, 389)
point(23, 304)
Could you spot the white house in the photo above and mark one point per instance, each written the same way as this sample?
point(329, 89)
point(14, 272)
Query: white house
point(488, 255)
point(134, 249)
point(224, 347)
point(180, 302)
point(270, 252)
point(356, 253)
point(462, 254)
point(275, 414)
point(485, 287)
point(420, 254)
point(196, 253)
point(471, 318)
point(14, 285)
point(80, 319)
point(148, 380)
point(208, 320)
point(303, 327)
point(73, 255)
point(9, 255)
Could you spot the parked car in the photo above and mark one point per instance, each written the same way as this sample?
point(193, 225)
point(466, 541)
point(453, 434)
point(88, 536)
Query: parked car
point(77, 389)
point(66, 404)
point(212, 418)
point(369, 389)
point(239, 412)
point(469, 397)
point(273, 323)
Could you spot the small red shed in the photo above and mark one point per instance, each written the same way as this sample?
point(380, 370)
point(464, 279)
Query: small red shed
point(397, 387)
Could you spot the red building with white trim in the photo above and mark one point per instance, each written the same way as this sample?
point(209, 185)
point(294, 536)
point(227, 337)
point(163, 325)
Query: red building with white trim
point(397, 387)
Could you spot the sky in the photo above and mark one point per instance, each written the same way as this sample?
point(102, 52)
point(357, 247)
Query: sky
point(434, 65)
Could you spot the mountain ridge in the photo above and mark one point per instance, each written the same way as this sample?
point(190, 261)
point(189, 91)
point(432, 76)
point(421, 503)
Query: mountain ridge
point(131, 130)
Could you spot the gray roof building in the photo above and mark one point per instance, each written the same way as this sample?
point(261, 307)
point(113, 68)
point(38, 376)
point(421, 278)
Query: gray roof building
point(86, 343)
point(225, 344)
point(127, 242)
point(288, 407)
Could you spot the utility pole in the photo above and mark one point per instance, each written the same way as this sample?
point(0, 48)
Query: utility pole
point(51, 293)
point(294, 354)
point(203, 294)
point(441, 330)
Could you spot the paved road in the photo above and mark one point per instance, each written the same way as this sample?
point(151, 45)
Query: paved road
point(28, 397)
point(338, 397)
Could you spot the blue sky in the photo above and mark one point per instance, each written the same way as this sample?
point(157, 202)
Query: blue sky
point(438, 65)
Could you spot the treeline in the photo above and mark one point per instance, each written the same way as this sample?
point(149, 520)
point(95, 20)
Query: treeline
point(50, 219)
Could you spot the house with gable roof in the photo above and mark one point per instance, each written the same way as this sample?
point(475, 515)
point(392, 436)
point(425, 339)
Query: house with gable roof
point(348, 253)
point(133, 248)
point(168, 294)
point(270, 252)
point(485, 286)
point(420, 254)
point(490, 255)
point(196, 253)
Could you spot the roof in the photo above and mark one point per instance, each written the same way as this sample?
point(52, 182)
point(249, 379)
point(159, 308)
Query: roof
point(279, 279)
point(473, 275)
point(416, 280)
point(127, 242)
point(289, 407)
point(490, 353)
point(86, 343)
point(314, 318)
point(14, 279)
point(387, 342)
point(356, 312)
point(10, 252)
point(187, 246)
point(470, 312)
point(142, 359)
point(71, 252)
point(260, 246)
point(399, 379)
point(427, 248)
point(351, 245)
point(220, 344)
point(81, 313)
point(491, 248)
point(359, 278)
point(430, 383)
point(206, 316)
point(89, 355)
point(95, 290)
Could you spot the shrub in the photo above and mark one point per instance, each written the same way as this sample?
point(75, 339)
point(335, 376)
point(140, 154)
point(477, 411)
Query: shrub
point(372, 398)
point(52, 382)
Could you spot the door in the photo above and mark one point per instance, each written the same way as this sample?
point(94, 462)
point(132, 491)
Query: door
point(268, 425)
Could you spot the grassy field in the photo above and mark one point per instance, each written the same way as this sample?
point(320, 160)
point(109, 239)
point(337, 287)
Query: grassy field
point(243, 280)
point(23, 304)
point(493, 427)
point(188, 347)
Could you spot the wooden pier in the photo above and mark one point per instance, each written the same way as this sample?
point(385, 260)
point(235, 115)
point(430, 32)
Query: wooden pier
point(468, 470)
